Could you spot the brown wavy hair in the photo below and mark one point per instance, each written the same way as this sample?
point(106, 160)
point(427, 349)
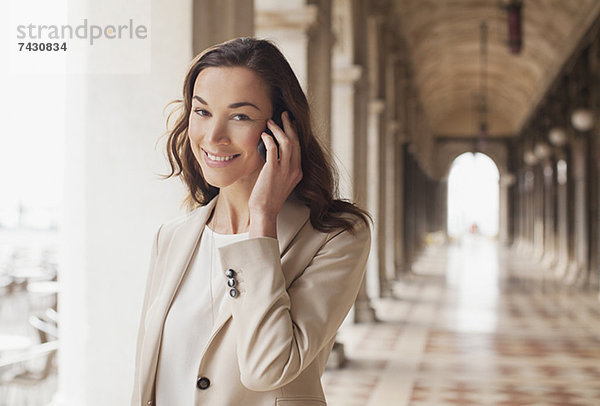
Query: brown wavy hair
point(319, 179)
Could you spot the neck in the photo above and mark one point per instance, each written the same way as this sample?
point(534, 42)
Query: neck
point(231, 214)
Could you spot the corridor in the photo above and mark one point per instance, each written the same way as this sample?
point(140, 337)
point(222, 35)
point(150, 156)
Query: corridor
point(474, 324)
point(405, 97)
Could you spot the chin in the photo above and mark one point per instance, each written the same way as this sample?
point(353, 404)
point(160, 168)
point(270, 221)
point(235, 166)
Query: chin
point(225, 180)
point(219, 181)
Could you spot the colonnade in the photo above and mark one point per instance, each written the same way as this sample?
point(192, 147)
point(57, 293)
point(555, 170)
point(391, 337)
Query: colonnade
point(556, 161)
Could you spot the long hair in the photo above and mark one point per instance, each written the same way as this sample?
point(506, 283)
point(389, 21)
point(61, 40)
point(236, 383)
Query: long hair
point(319, 182)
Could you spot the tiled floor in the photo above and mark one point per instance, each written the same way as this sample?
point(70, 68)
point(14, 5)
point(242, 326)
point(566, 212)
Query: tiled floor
point(475, 325)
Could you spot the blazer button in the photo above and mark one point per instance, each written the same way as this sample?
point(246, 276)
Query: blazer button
point(234, 292)
point(230, 273)
point(231, 282)
point(203, 383)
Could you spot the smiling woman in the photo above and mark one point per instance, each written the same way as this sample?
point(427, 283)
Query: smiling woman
point(246, 292)
point(224, 134)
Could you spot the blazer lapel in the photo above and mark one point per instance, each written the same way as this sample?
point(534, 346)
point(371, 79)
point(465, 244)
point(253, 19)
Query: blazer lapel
point(175, 263)
point(184, 243)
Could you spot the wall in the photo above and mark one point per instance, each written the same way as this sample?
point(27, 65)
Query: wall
point(114, 203)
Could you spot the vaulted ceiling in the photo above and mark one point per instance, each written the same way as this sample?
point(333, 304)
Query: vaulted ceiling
point(443, 37)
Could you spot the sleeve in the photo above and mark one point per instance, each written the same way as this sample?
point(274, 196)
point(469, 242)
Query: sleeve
point(150, 286)
point(279, 332)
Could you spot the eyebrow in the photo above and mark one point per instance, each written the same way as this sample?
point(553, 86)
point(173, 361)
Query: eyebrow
point(232, 105)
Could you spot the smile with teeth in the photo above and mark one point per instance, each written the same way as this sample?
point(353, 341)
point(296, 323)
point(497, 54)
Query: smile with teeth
point(220, 158)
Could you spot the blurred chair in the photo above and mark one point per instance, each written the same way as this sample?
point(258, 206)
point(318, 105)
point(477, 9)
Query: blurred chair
point(42, 294)
point(6, 285)
point(28, 384)
point(52, 315)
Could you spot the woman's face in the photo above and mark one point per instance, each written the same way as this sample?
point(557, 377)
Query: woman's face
point(230, 108)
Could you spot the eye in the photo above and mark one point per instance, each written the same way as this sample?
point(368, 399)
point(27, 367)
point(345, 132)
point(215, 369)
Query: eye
point(202, 112)
point(241, 117)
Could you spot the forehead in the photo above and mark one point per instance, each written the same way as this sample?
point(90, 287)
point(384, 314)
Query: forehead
point(231, 82)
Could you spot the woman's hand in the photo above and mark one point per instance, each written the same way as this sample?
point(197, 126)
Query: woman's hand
point(277, 178)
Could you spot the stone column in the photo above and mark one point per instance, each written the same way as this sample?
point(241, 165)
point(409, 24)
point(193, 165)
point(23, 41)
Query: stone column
point(394, 136)
point(399, 198)
point(342, 129)
point(538, 212)
point(409, 196)
point(528, 208)
point(562, 215)
point(517, 217)
point(521, 198)
point(390, 214)
point(375, 190)
point(505, 183)
point(401, 139)
point(389, 174)
point(532, 212)
point(345, 76)
point(216, 22)
point(319, 61)
point(363, 310)
point(114, 201)
point(549, 215)
point(579, 267)
point(407, 214)
point(347, 133)
point(287, 24)
point(521, 205)
point(376, 169)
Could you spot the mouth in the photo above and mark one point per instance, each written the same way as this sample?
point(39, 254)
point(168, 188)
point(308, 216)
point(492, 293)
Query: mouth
point(219, 159)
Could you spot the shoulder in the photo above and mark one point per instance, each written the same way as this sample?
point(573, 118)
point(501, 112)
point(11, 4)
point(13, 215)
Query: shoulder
point(176, 222)
point(340, 242)
point(187, 222)
point(357, 237)
point(298, 212)
point(359, 231)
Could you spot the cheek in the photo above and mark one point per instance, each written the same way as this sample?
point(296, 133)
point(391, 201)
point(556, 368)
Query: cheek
point(193, 133)
point(251, 143)
point(193, 129)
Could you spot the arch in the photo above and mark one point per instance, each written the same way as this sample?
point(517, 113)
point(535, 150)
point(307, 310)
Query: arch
point(473, 195)
point(448, 150)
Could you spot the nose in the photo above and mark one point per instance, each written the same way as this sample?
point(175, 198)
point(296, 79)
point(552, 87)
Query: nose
point(217, 134)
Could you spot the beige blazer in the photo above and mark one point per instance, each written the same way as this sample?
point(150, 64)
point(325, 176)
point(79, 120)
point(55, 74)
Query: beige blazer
point(270, 344)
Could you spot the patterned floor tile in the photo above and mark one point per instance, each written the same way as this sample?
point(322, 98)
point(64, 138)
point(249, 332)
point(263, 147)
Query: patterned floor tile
point(494, 338)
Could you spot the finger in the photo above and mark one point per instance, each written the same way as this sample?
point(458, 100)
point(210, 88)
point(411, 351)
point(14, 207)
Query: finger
point(289, 128)
point(290, 131)
point(271, 147)
point(275, 129)
point(283, 140)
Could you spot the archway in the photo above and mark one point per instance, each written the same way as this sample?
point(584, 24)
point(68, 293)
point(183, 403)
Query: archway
point(473, 196)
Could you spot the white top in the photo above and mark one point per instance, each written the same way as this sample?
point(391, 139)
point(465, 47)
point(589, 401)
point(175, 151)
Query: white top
point(190, 321)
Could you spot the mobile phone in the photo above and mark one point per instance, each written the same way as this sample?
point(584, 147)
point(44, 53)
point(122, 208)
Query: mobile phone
point(262, 150)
